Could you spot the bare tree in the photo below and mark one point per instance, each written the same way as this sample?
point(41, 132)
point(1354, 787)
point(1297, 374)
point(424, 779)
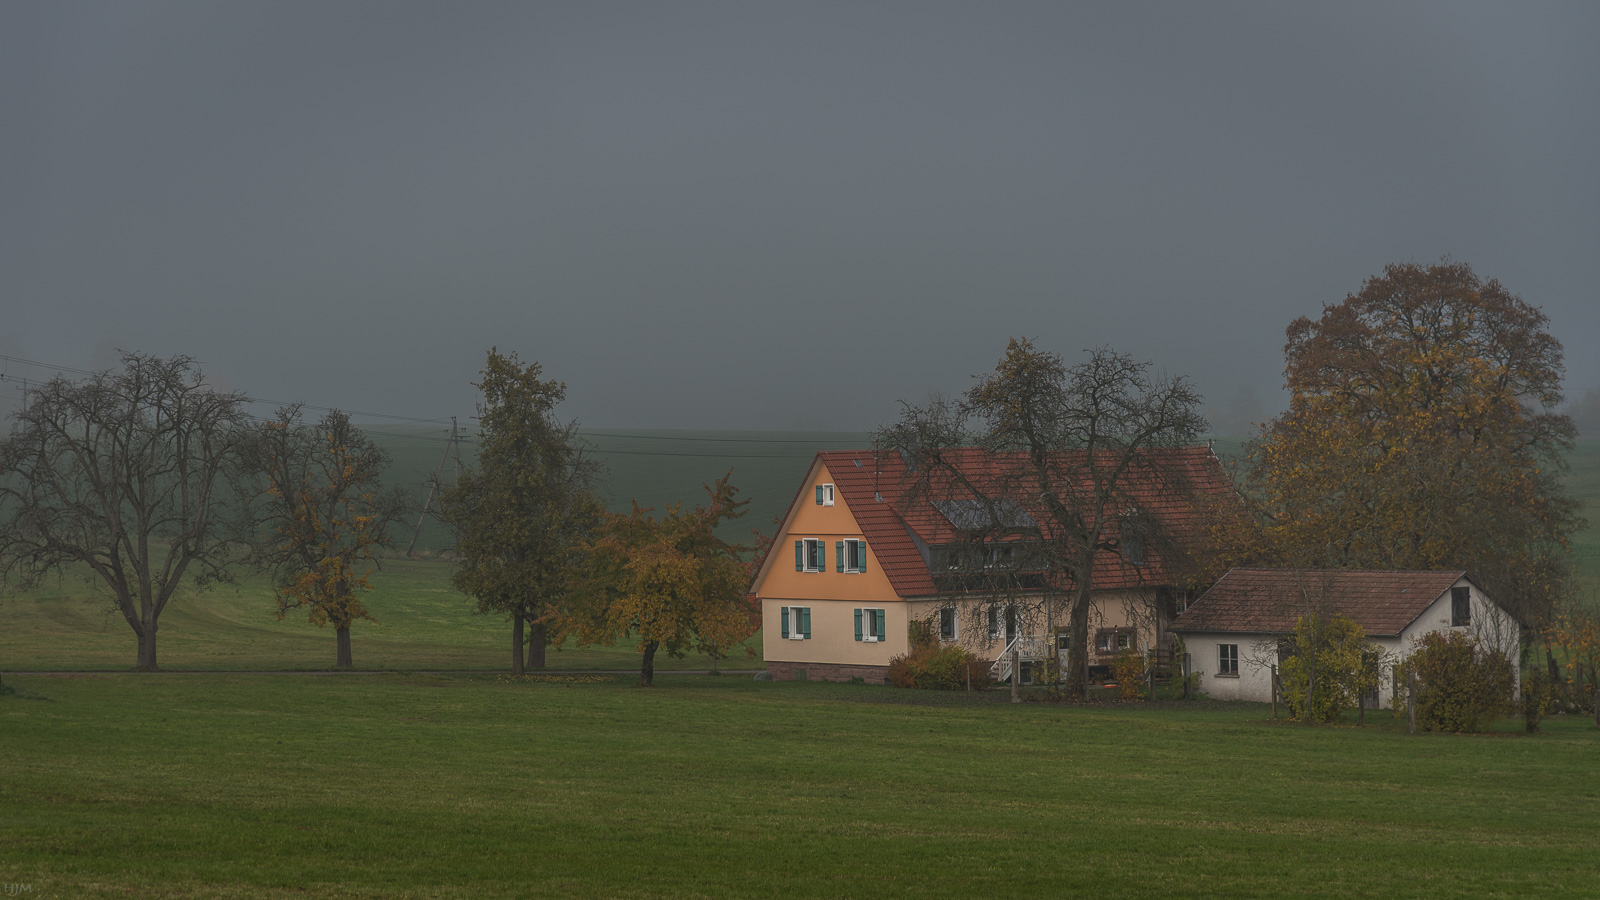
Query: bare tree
point(131, 475)
point(1058, 463)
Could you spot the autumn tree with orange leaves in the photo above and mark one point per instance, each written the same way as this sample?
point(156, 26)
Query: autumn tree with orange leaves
point(1421, 433)
point(671, 583)
point(327, 518)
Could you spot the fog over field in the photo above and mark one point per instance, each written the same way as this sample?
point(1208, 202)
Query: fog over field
point(724, 215)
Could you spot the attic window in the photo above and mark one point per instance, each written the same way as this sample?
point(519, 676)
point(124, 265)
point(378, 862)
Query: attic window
point(857, 462)
point(1460, 606)
point(824, 495)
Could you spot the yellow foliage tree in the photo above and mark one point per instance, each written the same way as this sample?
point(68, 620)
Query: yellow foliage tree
point(1328, 666)
point(327, 517)
point(671, 583)
point(1421, 434)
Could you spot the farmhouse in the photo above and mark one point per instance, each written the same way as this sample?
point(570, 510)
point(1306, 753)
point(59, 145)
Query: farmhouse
point(869, 558)
point(1232, 632)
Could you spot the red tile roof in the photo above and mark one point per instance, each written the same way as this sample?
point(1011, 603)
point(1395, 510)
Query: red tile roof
point(1271, 601)
point(876, 492)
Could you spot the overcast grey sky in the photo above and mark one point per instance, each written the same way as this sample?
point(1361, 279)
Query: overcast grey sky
point(755, 215)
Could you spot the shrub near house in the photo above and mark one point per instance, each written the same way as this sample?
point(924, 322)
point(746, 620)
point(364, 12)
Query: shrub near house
point(1462, 685)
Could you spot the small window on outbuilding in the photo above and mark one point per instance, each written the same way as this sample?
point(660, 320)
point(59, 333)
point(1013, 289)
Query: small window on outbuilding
point(1460, 606)
point(1228, 660)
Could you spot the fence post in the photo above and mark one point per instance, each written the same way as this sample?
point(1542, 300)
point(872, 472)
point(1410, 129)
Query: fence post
point(1274, 691)
point(1411, 701)
point(1016, 674)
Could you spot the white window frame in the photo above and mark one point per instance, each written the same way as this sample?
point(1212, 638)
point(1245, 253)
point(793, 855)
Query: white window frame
point(795, 632)
point(871, 615)
point(1227, 663)
point(955, 624)
point(827, 494)
point(821, 547)
point(859, 548)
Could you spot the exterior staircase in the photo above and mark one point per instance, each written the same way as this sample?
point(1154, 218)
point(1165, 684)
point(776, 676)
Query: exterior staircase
point(1029, 647)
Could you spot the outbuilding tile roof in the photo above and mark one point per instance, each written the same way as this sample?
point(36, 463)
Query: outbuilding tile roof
point(875, 485)
point(1271, 601)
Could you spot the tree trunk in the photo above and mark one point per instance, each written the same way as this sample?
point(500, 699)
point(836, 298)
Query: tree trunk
point(1078, 676)
point(147, 648)
point(537, 637)
point(647, 668)
point(342, 640)
point(516, 643)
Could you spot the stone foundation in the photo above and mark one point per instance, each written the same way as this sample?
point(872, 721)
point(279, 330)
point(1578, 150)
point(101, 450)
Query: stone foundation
point(802, 671)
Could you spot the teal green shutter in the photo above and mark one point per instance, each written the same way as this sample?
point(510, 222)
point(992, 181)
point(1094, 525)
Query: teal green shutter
point(861, 556)
point(838, 554)
point(805, 622)
point(819, 495)
point(858, 624)
point(784, 612)
point(799, 556)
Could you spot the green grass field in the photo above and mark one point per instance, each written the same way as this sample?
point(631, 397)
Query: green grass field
point(427, 786)
point(423, 624)
point(1584, 482)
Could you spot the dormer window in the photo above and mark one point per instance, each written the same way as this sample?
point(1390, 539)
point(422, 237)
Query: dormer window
point(824, 495)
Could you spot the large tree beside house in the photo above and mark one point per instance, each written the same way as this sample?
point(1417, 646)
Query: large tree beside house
point(523, 513)
point(1422, 433)
point(1048, 468)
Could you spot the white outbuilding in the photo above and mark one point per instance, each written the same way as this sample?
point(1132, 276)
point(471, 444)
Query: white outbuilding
point(1232, 633)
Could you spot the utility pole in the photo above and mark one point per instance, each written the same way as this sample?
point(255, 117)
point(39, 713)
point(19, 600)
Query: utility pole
point(433, 486)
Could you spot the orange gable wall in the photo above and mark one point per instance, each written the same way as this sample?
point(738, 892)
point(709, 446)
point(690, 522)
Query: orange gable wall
point(779, 580)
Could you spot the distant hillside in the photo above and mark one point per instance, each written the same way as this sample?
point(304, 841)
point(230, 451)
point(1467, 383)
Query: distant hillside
point(655, 467)
point(659, 468)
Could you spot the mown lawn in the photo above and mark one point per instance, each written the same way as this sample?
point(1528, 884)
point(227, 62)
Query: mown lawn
point(422, 623)
point(1583, 480)
point(427, 786)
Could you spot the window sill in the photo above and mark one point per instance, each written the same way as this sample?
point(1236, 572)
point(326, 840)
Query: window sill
point(1225, 675)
